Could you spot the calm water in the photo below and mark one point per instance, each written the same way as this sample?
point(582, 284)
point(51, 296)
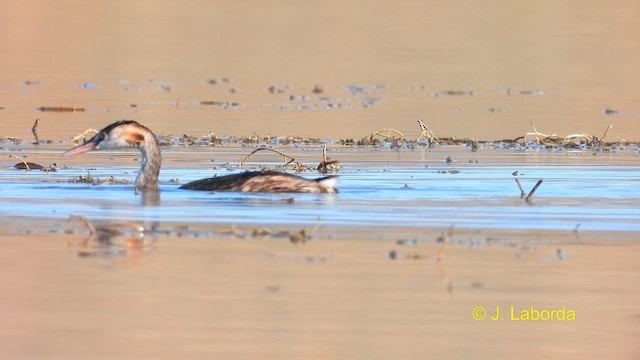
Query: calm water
point(556, 64)
point(100, 272)
point(391, 188)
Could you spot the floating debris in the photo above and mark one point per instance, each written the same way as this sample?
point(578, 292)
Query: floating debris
point(363, 89)
point(89, 179)
point(535, 187)
point(609, 111)
point(299, 97)
point(530, 92)
point(454, 93)
point(218, 81)
point(553, 139)
point(221, 104)
point(407, 242)
point(88, 85)
point(298, 166)
point(278, 89)
point(327, 164)
point(83, 136)
point(426, 133)
point(561, 255)
point(61, 108)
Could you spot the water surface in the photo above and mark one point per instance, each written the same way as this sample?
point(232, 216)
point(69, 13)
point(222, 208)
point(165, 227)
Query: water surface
point(392, 266)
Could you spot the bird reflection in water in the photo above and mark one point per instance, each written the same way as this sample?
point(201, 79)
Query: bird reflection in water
point(110, 239)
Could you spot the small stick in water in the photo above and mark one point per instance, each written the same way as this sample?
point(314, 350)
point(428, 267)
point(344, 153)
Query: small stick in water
point(34, 130)
point(522, 193)
point(606, 132)
point(528, 198)
point(292, 159)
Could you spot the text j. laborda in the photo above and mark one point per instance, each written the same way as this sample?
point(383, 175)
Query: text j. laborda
point(511, 313)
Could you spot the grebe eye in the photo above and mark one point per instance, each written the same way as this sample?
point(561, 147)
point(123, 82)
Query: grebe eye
point(103, 136)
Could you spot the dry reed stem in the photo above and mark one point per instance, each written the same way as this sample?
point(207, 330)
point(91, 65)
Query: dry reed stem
point(426, 133)
point(388, 135)
point(298, 165)
point(83, 136)
point(544, 138)
point(606, 132)
point(24, 162)
point(539, 136)
point(589, 138)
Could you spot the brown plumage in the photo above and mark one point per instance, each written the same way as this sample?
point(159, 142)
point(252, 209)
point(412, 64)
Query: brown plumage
point(128, 133)
point(264, 181)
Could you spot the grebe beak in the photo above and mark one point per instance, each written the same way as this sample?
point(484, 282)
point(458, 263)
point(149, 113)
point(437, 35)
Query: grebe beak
point(81, 149)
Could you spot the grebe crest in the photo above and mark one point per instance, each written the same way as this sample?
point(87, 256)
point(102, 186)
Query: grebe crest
point(129, 133)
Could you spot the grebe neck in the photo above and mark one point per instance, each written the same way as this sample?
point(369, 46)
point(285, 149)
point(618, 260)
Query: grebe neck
point(151, 162)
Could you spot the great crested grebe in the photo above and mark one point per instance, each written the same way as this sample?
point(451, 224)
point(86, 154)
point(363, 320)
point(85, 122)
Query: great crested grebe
point(129, 133)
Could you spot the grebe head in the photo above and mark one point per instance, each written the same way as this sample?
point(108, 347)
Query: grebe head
point(121, 134)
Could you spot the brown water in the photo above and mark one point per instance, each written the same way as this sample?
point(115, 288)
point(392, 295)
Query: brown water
point(580, 56)
point(200, 276)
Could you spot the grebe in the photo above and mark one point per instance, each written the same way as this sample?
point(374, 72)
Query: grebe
point(129, 133)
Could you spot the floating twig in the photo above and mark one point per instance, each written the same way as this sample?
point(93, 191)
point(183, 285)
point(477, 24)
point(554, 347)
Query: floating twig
point(522, 192)
point(61, 108)
point(388, 135)
point(297, 164)
point(528, 198)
